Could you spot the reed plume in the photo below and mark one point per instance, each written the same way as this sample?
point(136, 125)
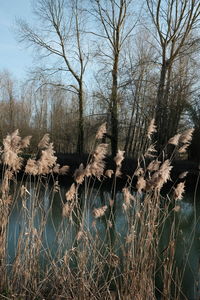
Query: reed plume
point(99, 212)
point(96, 165)
point(79, 174)
point(118, 160)
point(31, 167)
point(47, 160)
point(44, 142)
point(186, 136)
point(179, 191)
point(101, 131)
point(175, 140)
point(151, 128)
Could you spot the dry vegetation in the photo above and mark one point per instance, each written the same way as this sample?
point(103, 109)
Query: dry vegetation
point(86, 263)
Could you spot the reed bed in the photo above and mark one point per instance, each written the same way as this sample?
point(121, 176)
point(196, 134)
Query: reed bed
point(92, 258)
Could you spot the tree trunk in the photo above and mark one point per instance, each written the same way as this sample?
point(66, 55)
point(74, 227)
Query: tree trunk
point(114, 107)
point(161, 109)
point(80, 142)
point(128, 137)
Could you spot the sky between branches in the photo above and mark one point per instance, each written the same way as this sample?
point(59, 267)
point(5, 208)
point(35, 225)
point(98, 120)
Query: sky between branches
point(14, 57)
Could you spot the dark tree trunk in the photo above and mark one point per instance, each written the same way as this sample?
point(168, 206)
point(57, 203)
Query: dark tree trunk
point(114, 108)
point(128, 137)
point(129, 131)
point(80, 142)
point(160, 116)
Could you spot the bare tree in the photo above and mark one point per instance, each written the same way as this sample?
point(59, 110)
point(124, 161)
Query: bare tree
point(174, 22)
point(59, 36)
point(15, 107)
point(114, 29)
point(194, 115)
point(7, 88)
point(140, 86)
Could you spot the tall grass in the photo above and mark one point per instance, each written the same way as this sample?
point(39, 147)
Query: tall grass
point(92, 258)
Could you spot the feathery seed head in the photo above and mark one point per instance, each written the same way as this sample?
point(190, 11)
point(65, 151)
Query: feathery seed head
point(179, 190)
point(162, 175)
point(141, 184)
point(177, 208)
point(151, 149)
point(109, 173)
point(99, 212)
point(31, 167)
point(71, 194)
point(183, 148)
point(25, 142)
point(183, 175)
point(127, 197)
point(97, 165)
point(174, 140)
point(67, 209)
point(139, 171)
point(165, 170)
point(154, 165)
point(11, 149)
point(119, 158)
point(151, 128)
point(47, 160)
point(11, 159)
point(101, 131)
point(64, 170)
point(79, 174)
point(186, 136)
point(44, 142)
point(56, 169)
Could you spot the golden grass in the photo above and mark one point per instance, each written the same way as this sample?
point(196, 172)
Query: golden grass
point(92, 266)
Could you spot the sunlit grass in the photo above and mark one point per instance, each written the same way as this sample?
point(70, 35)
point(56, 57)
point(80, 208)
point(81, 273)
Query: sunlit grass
point(97, 261)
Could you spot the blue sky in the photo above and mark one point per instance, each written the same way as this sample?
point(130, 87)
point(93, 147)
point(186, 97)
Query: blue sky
point(14, 57)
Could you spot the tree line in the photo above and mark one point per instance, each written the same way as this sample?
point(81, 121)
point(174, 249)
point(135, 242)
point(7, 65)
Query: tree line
point(113, 61)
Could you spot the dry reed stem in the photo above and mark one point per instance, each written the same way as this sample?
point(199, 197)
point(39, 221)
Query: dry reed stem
point(140, 245)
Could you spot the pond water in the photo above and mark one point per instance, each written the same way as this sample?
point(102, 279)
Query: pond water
point(49, 205)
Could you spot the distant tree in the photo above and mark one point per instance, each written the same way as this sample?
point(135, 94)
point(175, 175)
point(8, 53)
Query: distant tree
point(194, 115)
point(140, 86)
point(15, 108)
point(59, 36)
point(175, 22)
point(7, 89)
point(114, 29)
